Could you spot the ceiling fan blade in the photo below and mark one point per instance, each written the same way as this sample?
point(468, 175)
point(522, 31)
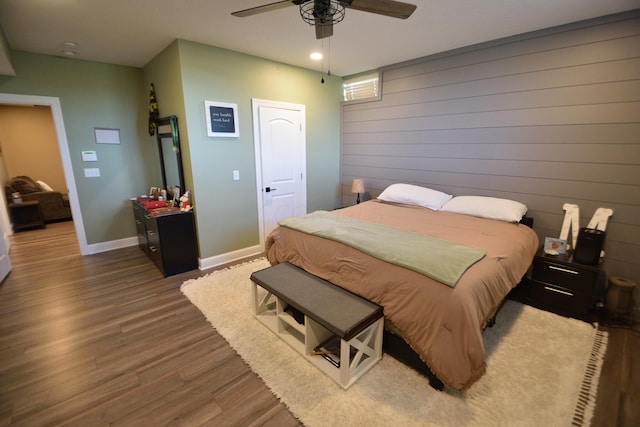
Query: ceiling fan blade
point(264, 8)
point(395, 9)
point(324, 30)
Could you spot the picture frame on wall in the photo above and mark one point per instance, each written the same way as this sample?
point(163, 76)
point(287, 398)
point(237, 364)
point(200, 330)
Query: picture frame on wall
point(222, 119)
point(107, 135)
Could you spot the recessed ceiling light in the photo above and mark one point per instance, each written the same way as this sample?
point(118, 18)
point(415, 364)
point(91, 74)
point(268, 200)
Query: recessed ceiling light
point(316, 56)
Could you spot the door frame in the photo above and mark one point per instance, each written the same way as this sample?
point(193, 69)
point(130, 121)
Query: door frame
point(63, 145)
point(255, 105)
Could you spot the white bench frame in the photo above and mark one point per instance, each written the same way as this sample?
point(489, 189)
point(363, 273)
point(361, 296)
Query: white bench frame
point(304, 338)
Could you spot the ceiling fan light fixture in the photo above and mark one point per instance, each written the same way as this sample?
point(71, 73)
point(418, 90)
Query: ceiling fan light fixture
point(322, 12)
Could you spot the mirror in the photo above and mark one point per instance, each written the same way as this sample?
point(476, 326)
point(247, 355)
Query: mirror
point(170, 157)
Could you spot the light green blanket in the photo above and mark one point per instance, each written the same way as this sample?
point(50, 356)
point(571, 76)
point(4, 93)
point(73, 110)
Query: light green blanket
point(441, 260)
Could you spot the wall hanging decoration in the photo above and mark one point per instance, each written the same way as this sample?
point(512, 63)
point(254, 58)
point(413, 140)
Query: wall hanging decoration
point(154, 113)
point(107, 136)
point(222, 119)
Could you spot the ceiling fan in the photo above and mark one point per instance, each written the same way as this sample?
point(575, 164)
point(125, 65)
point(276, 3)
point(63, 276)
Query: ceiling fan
point(324, 13)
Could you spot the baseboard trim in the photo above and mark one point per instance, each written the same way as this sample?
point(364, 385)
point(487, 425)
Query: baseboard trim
point(218, 260)
point(204, 264)
point(96, 248)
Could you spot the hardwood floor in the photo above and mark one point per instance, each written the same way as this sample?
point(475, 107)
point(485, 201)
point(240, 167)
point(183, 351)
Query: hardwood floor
point(618, 401)
point(106, 340)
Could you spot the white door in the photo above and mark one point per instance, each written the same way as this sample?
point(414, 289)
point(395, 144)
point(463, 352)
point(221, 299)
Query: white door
point(279, 133)
point(5, 263)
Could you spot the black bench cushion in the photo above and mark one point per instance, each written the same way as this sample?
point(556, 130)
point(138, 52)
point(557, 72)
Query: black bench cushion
point(343, 313)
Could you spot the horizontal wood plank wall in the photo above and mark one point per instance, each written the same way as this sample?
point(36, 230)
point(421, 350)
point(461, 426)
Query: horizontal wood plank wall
point(547, 118)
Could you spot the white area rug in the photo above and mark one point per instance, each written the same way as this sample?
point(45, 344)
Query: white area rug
point(543, 369)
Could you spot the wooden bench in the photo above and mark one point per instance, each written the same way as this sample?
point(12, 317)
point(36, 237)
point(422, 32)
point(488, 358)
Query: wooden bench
point(337, 331)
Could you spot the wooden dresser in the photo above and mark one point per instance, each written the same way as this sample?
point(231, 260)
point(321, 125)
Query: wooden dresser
point(168, 239)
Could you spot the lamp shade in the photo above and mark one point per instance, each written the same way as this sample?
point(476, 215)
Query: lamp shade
point(357, 186)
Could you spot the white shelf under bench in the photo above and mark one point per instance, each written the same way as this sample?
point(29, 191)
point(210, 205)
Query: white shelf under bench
point(324, 310)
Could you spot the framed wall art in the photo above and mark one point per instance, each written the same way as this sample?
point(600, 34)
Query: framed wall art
point(222, 119)
point(107, 136)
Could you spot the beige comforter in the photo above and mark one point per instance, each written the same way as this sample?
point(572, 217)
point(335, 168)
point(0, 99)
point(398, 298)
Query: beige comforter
point(442, 324)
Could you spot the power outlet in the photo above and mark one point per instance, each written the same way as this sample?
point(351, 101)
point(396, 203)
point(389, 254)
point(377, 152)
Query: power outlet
point(236, 175)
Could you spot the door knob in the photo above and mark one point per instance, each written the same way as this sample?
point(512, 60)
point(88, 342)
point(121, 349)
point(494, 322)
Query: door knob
point(269, 189)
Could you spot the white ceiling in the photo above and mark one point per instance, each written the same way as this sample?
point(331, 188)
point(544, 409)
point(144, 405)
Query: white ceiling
point(131, 33)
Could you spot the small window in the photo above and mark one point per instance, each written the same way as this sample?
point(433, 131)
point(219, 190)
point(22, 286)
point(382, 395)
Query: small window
point(363, 87)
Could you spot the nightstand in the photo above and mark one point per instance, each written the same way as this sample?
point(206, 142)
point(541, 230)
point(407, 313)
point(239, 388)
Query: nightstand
point(26, 215)
point(560, 285)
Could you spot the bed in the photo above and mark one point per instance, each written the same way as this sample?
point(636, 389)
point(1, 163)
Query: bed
point(442, 323)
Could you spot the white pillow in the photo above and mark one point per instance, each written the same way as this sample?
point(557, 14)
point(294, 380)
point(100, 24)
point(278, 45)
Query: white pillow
point(414, 195)
point(486, 207)
point(43, 186)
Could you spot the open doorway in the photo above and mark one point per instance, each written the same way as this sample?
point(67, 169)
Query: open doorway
point(56, 113)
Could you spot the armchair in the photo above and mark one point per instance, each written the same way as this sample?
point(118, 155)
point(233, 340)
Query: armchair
point(54, 205)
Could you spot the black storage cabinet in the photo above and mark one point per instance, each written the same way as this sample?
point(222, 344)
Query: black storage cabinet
point(169, 240)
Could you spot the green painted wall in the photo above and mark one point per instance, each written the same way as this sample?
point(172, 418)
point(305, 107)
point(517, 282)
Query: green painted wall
point(95, 95)
point(165, 74)
point(185, 74)
point(227, 210)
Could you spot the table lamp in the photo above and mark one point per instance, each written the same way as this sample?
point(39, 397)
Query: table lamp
point(357, 186)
